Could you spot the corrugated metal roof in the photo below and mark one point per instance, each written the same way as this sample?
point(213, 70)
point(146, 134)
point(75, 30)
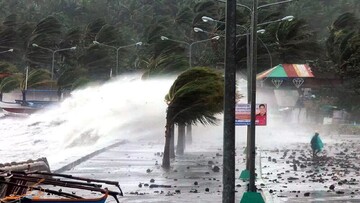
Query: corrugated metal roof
point(287, 71)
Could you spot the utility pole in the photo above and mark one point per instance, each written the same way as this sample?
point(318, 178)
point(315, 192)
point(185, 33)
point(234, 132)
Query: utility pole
point(229, 104)
point(253, 60)
point(251, 195)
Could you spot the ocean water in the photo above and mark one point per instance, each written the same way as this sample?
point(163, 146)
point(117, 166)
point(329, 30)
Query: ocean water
point(125, 108)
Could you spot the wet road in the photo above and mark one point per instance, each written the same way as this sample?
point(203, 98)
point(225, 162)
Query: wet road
point(289, 173)
point(194, 177)
point(292, 175)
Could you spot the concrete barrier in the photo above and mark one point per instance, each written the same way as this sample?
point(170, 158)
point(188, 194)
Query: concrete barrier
point(87, 157)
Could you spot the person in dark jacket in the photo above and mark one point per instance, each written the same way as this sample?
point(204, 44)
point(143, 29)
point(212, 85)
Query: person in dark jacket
point(316, 144)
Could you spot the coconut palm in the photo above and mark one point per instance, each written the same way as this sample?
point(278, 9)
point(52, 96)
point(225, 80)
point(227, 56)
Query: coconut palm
point(35, 78)
point(343, 48)
point(196, 96)
point(343, 29)
point(292, 42)
point(161, 57)
point(71, 78)
point(7, 80)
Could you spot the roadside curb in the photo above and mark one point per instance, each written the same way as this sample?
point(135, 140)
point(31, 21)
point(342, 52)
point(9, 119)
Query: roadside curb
point(87, 157)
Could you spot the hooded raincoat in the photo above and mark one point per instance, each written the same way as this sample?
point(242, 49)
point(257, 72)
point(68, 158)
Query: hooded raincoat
point(316, 143)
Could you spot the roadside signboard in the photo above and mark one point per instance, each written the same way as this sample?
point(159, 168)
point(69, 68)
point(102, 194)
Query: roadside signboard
point(242, 114)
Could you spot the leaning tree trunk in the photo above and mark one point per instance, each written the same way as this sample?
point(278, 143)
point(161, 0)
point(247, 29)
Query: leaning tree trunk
point(166, 157)
point(172, 142)
point(189, 134)
point(181, 140)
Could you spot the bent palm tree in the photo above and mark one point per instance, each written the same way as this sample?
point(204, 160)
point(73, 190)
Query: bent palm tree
point(7, 80)
point(35, 78)
point(343, 48)
point(196, 96)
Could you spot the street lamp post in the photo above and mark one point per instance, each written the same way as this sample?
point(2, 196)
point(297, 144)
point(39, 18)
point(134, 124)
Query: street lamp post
point(9, 50)
point(253, 65)
point(252, 83)
point(53, 55)
point(246, 174)
point(252, 195)
point(117, 52)
point(190, 44)
point(247, 34)
point(229, 104)
point(260, 31)
point(197, 29)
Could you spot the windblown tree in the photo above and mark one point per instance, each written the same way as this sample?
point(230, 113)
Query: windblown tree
point(291, 42)
point(70, 69)
point(161, 56)
point(343, 49)
point(322, 13)
point(47, 33)
point(283, 42)
point(35, 78)
point(343, 46)
point(196, 96)
point(8, 81)
point(8, 39)
point(72, 78)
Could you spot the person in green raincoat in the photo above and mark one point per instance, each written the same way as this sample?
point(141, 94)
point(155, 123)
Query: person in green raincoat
point(316, 144)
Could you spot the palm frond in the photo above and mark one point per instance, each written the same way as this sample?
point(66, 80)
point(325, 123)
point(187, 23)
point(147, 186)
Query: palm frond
point(196, 96)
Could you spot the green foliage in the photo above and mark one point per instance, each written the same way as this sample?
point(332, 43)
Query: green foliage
point(164, 64)
point(10, 21)
point(8, 83)
point(72, 78)
point(322, 13)
point(346, 21)
point(97, 61)
point(48, 26)
point(184, 17)
point(343, 47)
point(7, 38)
point(6, 67)
point(92, 29)
point(36, 78)
point(196, 96)
point(296, 42)
point(46, 34)
point(107, 34)
point(57, 24)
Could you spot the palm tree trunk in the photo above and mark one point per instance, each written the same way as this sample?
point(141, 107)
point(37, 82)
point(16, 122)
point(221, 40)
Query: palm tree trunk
point(23, 92)
point(166, 157)
point(188, 134)
point(181, 140)
point(59, 94)
point(172, 143)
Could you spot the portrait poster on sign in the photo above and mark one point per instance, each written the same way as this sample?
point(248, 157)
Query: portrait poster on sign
point(242, 114)
point(261, 115)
